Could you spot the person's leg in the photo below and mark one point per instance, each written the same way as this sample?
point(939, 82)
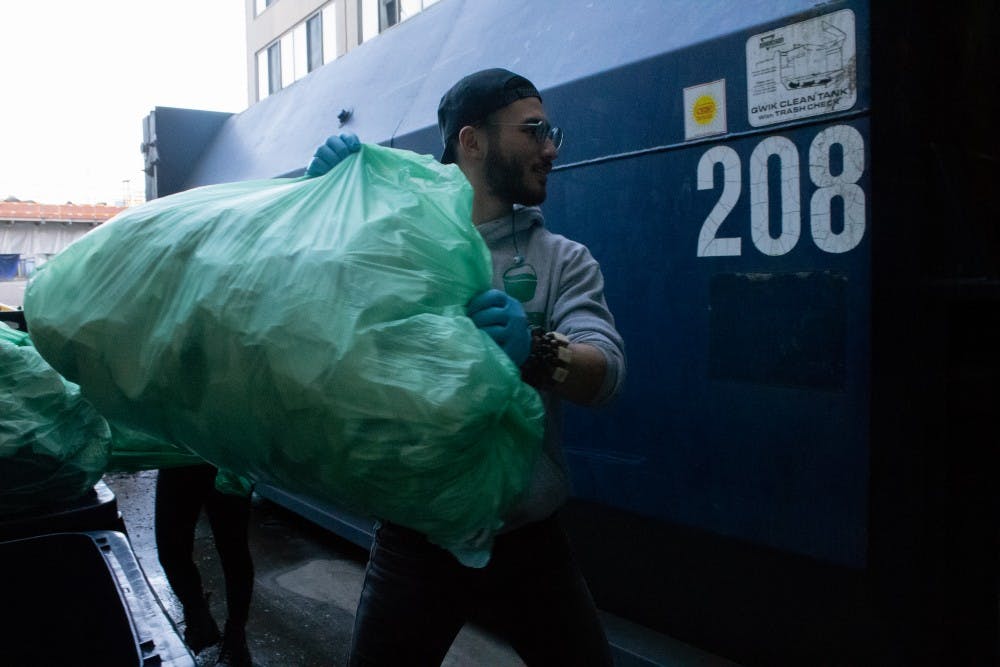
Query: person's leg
point(538, 600)
point(229, 516)
point(180, 493)
point(411, 604)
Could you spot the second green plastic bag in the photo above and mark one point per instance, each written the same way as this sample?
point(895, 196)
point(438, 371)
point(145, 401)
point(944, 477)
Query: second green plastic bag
point(306, 333)
point(53, 445)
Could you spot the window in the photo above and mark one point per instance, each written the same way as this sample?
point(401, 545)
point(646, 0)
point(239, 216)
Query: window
point(270, 76)
point(261, 5)
point(377, 15)
point(369, 19)
point(262, 79)
point(388, 14)
point(410, 7)
point(287, 59)
point(300, 51)
point(314, 42)
point(274, 68)
point(329, 32)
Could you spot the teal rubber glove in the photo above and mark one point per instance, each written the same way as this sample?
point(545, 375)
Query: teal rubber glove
point(333, 150)
point(502, 317)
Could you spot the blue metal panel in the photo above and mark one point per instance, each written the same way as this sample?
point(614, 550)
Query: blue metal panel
point(173, 141)
point(707, 433)
point(775, 462)
point(356, 529)
point(769, 459)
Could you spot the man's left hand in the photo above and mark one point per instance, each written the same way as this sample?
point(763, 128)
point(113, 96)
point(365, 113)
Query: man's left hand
point(333, 150)
point(503, 318)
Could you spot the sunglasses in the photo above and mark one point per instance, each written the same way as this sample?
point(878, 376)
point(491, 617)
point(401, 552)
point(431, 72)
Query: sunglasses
point(541, 130)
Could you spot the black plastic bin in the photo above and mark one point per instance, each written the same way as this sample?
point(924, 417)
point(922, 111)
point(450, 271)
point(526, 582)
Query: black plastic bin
point(14, 319)
point(96, 510)
point(82, 599)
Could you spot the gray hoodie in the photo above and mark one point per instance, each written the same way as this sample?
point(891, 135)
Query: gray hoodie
point(562, 289)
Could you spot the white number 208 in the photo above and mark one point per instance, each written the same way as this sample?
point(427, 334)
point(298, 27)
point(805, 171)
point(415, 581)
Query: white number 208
point(828, 186)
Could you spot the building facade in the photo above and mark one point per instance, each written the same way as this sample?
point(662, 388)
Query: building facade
point(31, 233)
point(288, 39)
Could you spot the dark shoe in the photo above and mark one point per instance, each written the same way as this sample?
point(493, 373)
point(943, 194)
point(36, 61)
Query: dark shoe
point(234, 651)
point(200, 629)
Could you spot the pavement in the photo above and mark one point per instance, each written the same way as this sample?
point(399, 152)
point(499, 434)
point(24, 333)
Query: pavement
point(307, 584)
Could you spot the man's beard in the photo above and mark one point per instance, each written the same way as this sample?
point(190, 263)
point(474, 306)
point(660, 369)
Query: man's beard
point(505, 179)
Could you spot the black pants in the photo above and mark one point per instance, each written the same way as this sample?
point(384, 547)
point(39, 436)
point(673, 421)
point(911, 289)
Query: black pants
point(181, 493)
point(417, 597)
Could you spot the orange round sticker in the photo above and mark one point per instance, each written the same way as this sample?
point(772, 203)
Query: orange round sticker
point(703, 110)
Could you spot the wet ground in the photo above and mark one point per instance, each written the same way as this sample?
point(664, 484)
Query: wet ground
point(306, 587)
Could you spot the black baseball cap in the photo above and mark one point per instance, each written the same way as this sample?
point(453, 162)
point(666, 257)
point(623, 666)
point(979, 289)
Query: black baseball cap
point(475, 97)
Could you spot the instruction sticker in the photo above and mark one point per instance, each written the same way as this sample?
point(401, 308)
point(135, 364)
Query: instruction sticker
point(705, 110)
point(801, 70)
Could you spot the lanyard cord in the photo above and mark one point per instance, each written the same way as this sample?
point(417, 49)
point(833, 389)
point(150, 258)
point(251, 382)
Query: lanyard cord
point(518, 260)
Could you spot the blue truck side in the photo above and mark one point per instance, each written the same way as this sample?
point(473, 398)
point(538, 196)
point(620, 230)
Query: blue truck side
point(791, 204)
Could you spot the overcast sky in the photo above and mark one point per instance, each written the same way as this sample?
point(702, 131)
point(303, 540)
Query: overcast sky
point(78, 78)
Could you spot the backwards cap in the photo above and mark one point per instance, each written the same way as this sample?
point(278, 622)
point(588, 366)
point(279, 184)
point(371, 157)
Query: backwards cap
point(475, 97)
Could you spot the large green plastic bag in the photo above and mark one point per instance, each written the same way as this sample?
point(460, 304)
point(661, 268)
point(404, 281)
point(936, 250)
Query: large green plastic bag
point(53, 445)
point(310, 333)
